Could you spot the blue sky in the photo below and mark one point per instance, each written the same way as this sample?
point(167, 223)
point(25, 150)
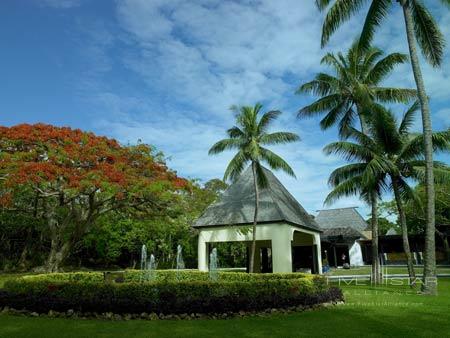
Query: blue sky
point(166, 71)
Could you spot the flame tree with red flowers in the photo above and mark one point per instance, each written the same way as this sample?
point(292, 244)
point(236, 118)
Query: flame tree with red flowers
point(67, 178)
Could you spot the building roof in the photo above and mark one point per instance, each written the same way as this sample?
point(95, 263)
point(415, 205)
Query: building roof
point(333, 234)
point(237, 204)
point(341, 218)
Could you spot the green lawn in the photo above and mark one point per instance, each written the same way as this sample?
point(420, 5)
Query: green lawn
point(365, 270)
point(370, 312)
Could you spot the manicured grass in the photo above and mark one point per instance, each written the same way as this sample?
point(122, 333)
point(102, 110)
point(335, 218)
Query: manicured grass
point(391, 311)
point(391, 270)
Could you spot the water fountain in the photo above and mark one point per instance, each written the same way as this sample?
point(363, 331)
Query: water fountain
point(180, 262)
point(151, 269)
point(143, 257)
point(213, 272)
point(143, 260)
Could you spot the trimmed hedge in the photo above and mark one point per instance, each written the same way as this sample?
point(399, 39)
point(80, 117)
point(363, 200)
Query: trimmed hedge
point(85, 293)
point(166, 276)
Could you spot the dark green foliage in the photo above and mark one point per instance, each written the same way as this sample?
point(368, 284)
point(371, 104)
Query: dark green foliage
point(233, 292)
point(114, 240)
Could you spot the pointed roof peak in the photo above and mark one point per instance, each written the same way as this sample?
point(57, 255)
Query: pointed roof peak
point(237, 205)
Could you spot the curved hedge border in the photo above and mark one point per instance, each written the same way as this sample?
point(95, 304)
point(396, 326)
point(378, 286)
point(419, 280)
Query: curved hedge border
point(166, 276)
point(83, 292)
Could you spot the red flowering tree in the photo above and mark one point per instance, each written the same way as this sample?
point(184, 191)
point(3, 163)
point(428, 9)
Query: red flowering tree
point(69, 178)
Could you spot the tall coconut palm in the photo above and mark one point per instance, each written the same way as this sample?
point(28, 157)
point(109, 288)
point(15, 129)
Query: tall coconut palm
point(347, 95)
point(405, 152)
point(396, 156)
point(249, 137)
point(421, 28)
point(365, 177)
point(355, 83)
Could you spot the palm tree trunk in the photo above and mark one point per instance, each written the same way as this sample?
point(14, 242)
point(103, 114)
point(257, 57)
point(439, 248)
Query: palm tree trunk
point(429, 270)
point(376, 273)
point(255, 220)
point(402, 218)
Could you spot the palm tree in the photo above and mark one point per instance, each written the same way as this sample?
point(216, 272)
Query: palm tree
point(348, 94)
point(355, 83)
point(393, 155)
point(363, 178)
point(421, 27)
point(248, 137)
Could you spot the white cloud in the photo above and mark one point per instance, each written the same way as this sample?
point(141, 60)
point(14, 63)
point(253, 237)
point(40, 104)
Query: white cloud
point(198, 57)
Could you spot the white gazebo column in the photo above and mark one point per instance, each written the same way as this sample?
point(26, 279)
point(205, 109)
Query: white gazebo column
point(318, 253)
point(202, 253)
point(281, 249)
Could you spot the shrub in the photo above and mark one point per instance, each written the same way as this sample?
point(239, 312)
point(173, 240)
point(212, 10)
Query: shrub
point(166, 276)
point(234, 292)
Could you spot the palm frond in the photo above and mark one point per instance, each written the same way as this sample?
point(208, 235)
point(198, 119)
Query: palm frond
point(414, 148)
point(226, 144)
point(334, 115)
point(395, 95)
point(352, 186)
point(266, 119)
point(235, 132)
point(349, 151)
point(385, 66)
point(384, 129)
point(323, 104)
point(427, 32)
point(322, 85)
point(371, 55)
point(278, 138)
point(408, 118)
point(376, 171)
point(346, 172)
point(235, 166)
point(276, 162)
point(441, 175)
point(322, 4)
point(407, 193)
point(378, 10)
point(340, 12)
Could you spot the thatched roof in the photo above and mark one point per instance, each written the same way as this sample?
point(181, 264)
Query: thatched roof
point(336, 234)
point(341, 223)
point(341, 218)
point(237, 204)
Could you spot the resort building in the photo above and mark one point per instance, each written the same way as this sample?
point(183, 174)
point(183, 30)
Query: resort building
point(343, 231)
point(287, 237)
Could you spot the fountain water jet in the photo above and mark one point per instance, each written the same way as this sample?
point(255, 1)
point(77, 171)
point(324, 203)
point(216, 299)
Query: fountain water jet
point(143, 260)
point(180, 262)
point(213, 272)
point(151, 269)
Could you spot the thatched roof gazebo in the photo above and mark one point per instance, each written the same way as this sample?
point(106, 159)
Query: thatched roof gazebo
point(284, 227)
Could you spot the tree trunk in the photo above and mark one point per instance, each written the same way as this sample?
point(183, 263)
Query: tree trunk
point(26, 250)
point(429, 270)
point(255, 221)
point(58, 253)
point(402, 219)
point(376, 273)
point(58, 249)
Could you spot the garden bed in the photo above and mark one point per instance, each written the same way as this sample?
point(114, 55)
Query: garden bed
point(187, 292)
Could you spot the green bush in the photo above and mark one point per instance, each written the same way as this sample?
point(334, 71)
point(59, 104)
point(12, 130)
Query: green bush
point(191, 292)
point(166, 276)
